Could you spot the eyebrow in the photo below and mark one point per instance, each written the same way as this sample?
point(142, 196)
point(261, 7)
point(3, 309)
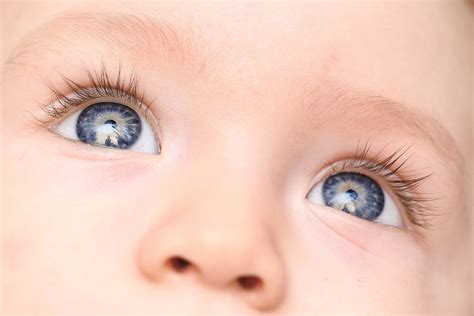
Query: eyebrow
point(336, 101)
point(146, 38)
point(141, 36)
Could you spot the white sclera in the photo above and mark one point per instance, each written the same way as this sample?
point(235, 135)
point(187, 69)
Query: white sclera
point(146, 142)
point(390, 214)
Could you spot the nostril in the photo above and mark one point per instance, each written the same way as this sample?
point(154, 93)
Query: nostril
point(179, 264)
point(249, 282)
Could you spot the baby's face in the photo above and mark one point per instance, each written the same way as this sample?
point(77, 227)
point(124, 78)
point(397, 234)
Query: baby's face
point(218, 159)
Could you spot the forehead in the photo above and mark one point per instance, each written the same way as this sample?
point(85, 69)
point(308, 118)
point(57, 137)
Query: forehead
point(379, 46)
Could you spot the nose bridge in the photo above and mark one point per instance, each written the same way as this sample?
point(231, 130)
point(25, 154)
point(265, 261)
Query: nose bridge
point(239, 181)
point(236, 203)
point(235, 144)
point(233, 189)
point(231, 215)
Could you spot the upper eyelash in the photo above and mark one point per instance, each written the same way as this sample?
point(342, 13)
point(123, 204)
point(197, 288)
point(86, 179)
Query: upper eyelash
point(402, 181)
point(100, 84)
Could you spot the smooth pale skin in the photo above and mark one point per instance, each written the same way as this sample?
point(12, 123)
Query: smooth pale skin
point(89, 231)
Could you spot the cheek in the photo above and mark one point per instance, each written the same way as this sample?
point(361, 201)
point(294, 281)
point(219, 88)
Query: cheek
point(63, 217)
point(331, 273)
point(327, 283)
point(66, 197)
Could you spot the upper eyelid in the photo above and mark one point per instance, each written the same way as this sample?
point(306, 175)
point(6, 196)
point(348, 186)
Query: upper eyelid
point(75, 105)
point(71, 101)
point(99, 83)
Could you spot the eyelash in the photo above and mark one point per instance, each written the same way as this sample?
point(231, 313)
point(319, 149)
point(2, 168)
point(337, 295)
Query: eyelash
point(390, 169)
point(100, 85)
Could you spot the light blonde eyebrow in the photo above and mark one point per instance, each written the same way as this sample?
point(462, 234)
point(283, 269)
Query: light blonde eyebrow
point(145, 38)
point(379, 114)
point(131, 34)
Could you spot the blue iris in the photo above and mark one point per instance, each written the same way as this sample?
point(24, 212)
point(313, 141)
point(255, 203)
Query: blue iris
point(109, 124)
point(354, 193)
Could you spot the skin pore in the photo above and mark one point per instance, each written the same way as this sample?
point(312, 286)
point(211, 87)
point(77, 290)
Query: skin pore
point(251, 104)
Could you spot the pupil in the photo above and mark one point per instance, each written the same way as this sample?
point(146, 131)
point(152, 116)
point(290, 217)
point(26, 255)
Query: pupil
point(111, 122)
point(353, 194)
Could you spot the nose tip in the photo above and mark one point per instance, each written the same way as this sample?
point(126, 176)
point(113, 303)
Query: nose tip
point(248, 267)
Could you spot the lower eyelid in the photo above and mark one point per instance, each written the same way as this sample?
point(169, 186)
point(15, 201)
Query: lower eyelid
point(371, 238)
point(75, 149)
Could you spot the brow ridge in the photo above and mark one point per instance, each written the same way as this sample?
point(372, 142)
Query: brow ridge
point(338, 99)
point(144, 37)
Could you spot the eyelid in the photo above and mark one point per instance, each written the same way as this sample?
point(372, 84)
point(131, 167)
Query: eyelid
point(341, 166)
point(61, 103)
point(394, 174)
point(98, 86)
point(68, 105)
point(93, 85)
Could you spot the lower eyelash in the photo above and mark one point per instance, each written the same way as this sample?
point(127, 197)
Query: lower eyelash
point(403, 182)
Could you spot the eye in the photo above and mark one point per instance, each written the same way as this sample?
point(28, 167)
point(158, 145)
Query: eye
point(359, 195)
point(110, 124)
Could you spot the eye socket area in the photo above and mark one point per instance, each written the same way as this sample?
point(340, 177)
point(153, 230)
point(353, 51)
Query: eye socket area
point(358, 194)
point(110, 124)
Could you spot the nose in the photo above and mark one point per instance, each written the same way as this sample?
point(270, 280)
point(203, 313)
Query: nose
point(228, 249)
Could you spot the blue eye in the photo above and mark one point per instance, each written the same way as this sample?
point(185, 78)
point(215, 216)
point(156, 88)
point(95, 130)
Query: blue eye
point(356, 194)
point(110, 124)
